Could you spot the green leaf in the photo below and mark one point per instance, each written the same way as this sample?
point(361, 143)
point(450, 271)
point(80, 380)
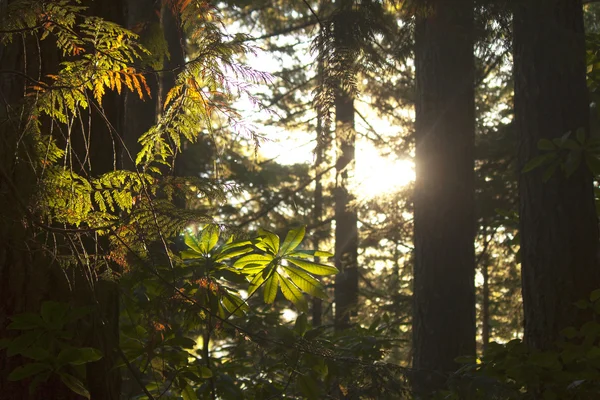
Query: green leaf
point(580, 135)
point(188, 393)
point(256, 259)
point(269, 242)
point(192, 243)
point(595, 295)
point(181, 341)
point(313, 267)
point(305, 282)
point(74, 384)
point(27, 370)
point(593, 163)
point(270, 291)
point(310, 254)
point(205, 372)
point(569, 332)
point(26, 321)
point(550, 171)
point(36, 353)
point(570, 144)
point(234, 304)
point(256, 282)
point(545, 144)
point(539, 161)
point(78, 355)
point(293, 294)
point(309, 387)
point(209, 238)
point(301, 324)
point(54, 313)
point(226, 254)
point(190, 255)
point(22, 343)
point(292, 240)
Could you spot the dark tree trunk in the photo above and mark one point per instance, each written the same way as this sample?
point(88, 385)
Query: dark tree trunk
point(143, 19)
point(559, 231)
point(27, 275)
point(444, 232)
point(346, 231)
point(317, 306)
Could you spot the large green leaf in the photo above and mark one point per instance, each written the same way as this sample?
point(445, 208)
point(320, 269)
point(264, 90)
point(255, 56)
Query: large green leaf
point(305, 281)
point(78, 356)
point(28, 370)
point(192, 243)
point(74, 384)
point(258, 259)
point(188, 393)
point(313, 267)
point(292, 240)
point(234, 304)
point(54, 313)
point(269, 242)
point(228, 252)
point(310, 254)
point(256, 282)
point(271, 285)
point(209, 238)
point(292, 293)
point(26, 321)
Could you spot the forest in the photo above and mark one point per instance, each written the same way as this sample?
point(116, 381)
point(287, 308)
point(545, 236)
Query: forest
point(299, 199)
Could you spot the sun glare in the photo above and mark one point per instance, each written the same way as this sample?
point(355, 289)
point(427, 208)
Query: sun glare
point(378, 175)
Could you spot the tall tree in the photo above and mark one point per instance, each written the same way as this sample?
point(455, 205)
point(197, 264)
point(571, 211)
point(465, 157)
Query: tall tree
point(346, 219)
point(558, 223)
point(444, 223)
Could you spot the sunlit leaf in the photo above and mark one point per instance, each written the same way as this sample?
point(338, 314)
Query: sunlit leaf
point(234, 304)
point(306, 282)
point(228, 252)
point(209, 238)
point(269, 242)
point(310, 254)
point(292, 293)
point(313, 267)
point(270, 291)
point(192, 243)
point(188, 393)
point(256, 282)
point(292, 240)
point(258, 259)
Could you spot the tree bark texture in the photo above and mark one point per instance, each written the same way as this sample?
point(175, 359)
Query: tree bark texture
point(444, 222)
point(559, 229)
point(346, 219)
point(28, 276)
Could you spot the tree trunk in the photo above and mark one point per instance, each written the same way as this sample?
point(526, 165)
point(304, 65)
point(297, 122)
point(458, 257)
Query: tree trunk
point(559, 231)
point(346, 231)
point(444, 222)
point(28, 276)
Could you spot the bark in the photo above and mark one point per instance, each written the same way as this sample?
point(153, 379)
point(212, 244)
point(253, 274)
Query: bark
point(27, 275)
point(444, 223)
point(346, 232)
point(559, 232)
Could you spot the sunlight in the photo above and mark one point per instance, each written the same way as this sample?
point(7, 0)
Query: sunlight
point(378, 175)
